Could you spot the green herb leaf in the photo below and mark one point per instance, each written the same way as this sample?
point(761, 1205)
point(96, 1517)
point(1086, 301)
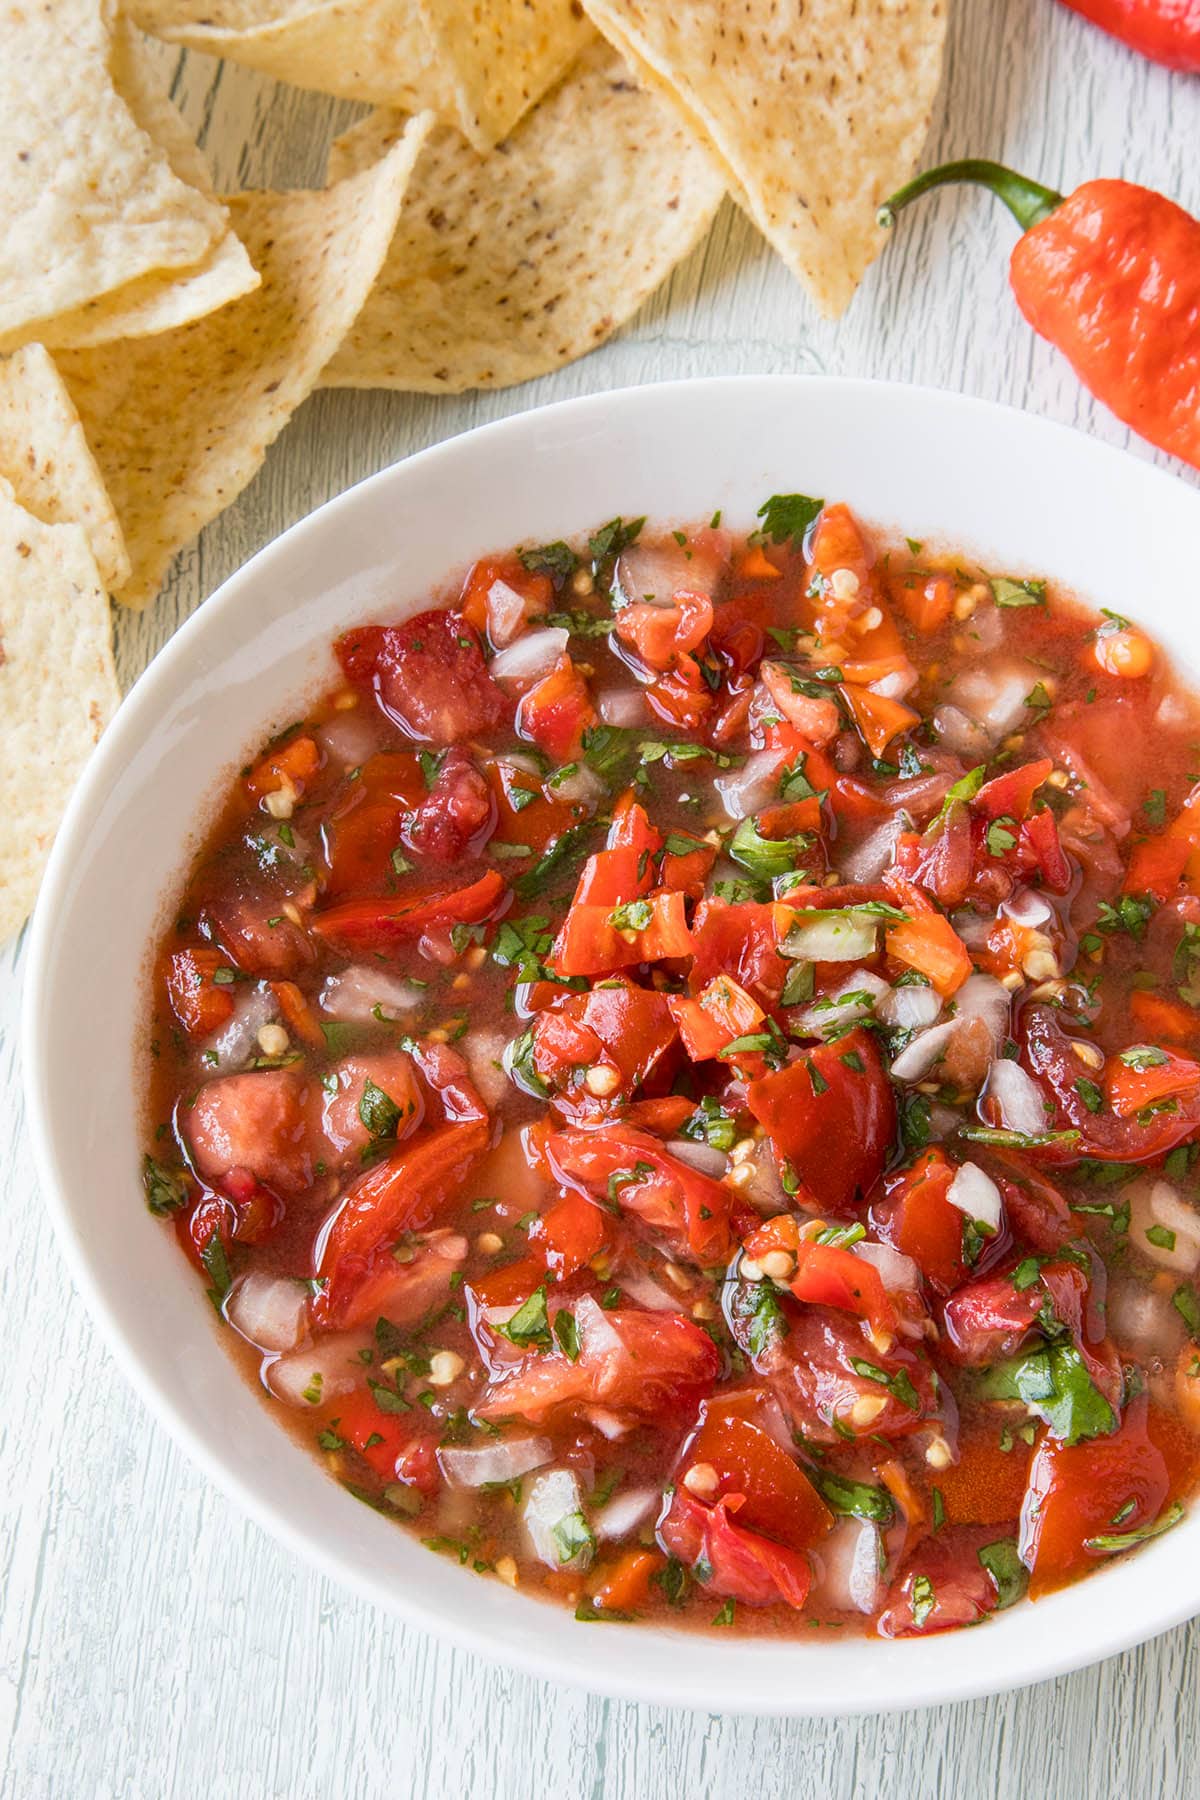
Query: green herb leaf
point(216, 1265)
point(853, 1498)
point(614, 537)
point(766, 857)
point(530, 1324)
point(574, 1538)
point(166, 1191)
point(1006, 1570)
point(1007, 591)
point(1111, 1544)
point(566, 1331)
point(787, 517)
point(899, 1383)
point(557, 560)
point(923, 1600)
point(378, 1111)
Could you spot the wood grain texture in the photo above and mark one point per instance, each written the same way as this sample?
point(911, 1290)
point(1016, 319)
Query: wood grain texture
point(152, 1643)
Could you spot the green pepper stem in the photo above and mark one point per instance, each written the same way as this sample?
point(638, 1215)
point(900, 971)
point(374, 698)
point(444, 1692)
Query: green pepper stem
point(1028, 201)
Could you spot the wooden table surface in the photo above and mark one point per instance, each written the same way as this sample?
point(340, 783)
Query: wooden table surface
point(152, 1642)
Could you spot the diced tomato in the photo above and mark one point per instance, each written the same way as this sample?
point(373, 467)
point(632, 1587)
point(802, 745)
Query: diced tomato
point(591, 944)
point(427, 674)
point(941, 1587)
point(200, 1003)
point(832, 1382)
point(925, 600)
point(619, 1165)
point(879, 719)
point(1142, 1136)
point(555, 714)
point(402, 1292)
point(722, 1012)
point(382, 927)
point(501, 596)
point(755, 565)
point(1077, 1493)
point(297, 1014)
point(362, 831)
point(647, 1365)
point(813, 715)
point(1157, 1017)
point(256, 935)
point(941, 858)
point(292, 767)
point(661, 633)
point(525, 814)
point(778, 1497)
point(569, 1234)
point(624, 869)
point(926, 941)
point(919, 1221)
point(1148, 1077)
point(663, 1117)
point(741, 940)
point(256, 1122)
point(626, 1029)
point(1033, 1206)
point(1011, 795)
point(728, 1559)
point(368, 1085)
point(687, 869)
point(991, 1319)
point(682, 697)
point(827, 1275)
point(1040, 851)
point(457, 816)
point(404, 1192)
point(621, 1586)
point(394, 1444)
point(831, 1116)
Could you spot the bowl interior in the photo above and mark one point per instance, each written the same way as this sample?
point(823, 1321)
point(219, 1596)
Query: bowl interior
point(1025, 497)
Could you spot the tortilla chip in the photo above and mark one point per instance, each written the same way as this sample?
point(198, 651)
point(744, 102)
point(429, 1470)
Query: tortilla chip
point(476, 68)
point(90, 201)
point(817, 108)
point(180, 422)
point(58, 689)
point(45, 457)
point(510, 264)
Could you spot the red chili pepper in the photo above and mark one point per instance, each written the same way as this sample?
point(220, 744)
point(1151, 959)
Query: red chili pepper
point(1110, 275)
point(1167, 31)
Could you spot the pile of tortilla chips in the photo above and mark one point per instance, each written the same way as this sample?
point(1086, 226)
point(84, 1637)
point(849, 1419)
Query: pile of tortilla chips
point(532, 172)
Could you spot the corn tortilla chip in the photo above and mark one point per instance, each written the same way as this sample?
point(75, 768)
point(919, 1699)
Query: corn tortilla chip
point(88, 199)
point(180, 422)
point(817, 109)
point(510, 264)
point(477, 68)
point(160, 300)
point(45, 457)
point(58, 689)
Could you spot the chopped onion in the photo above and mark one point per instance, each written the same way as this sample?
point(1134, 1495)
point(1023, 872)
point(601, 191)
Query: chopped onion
point(747, 790)
point(350, 738)
point(484, 1049)
point(763, 1189)
point(530, 657)
point(705, 1157)
point(552, 1498)
point(582, 787)
point(857, 998)
point(848, 938)
point(1141, 1318)
point(268, 1310)
point(976, 1195)
point(876, 852)
point(597, 1334)
point(237, 1041)
point(502, 1461)
point(319, 1372)
point(994, 696)
point(1017, 1095)
point(1172, 712)
point(850, 1562)
point(960, 734)
point(607, 1423)
point(658, 574)
point(623, 707)
point(1027, 908)
point(353, 995)
point(898, 1273)
point(983, 997)
point(897, 684)
point(635, 1282)
point(972, 929)
point(911, 1007)
point(505, 614)
point(625, 1512)
point(916, 1059)
point(1157, 1207)
point(921, 795)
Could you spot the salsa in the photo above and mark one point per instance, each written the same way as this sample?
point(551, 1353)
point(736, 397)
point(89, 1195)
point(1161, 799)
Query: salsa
point(681, 1076)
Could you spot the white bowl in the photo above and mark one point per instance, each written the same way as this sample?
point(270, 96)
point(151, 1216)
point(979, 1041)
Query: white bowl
point(1024, 496)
